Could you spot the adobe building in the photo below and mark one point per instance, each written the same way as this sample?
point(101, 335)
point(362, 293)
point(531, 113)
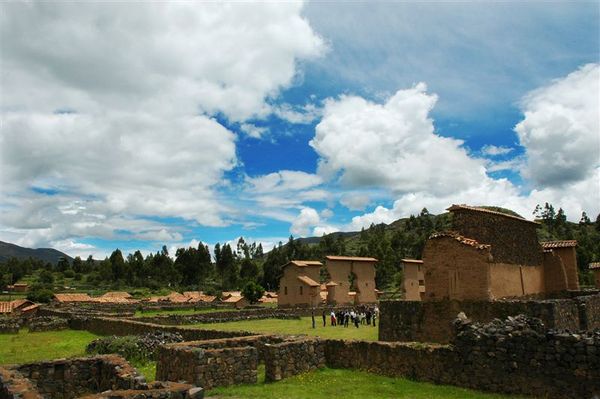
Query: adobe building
point(595, 267)
point(491, 255)
point(346, 269)
point(565, 250)
point(414, 279)
point(299, 284)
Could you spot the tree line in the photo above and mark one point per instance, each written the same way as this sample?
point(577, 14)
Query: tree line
point(231, 267)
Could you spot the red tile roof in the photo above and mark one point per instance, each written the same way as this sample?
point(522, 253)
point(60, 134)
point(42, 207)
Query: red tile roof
point(117, 294)
point(304, 263)
point(463, 240)
point(308, 281)
point(463, 207)
point(558, 244)
point(199, 296)
point(30, 308)
point(594, 265)
point(351, 258)
point(6, 307)
point(73, 298)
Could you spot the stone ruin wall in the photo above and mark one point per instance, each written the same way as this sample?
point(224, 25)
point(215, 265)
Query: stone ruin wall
point(107, 376)
point(290, 358)
point(508, 357)
point(120, 327)
point(512, 241)
point(66, 379)
point(210, 364)
point(432, 321)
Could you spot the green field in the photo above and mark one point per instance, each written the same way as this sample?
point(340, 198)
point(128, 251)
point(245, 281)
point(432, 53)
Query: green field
point(184, 312)
point(347, 384)
point(31, 347)
point(294, 327)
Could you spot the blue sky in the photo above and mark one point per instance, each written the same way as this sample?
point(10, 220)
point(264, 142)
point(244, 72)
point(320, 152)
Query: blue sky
point(191, 122)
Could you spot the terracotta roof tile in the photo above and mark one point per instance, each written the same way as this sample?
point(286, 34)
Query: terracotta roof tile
point(594, 265)
point(558, 244)
point(476, 209)
point(351, 258)
point(308, 281)
point(116, 294)
point(412, 261)
point(6, 307)
point(463, 240)
point(304, 263)
point(30, 308)
point(73, 298)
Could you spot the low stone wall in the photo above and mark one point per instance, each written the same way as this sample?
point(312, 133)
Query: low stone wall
point(432, 321)
point(515, 356)
point(38, 324)
point(10, 325)
point(65, 379)
point(589, 312)
point(114, 326)
point(13, 385)
point(158, 390)
point(192, 362)
point(294, 357)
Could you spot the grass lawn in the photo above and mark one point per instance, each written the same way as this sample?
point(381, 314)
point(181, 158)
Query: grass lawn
point(150, 313)
point(347, 384)
point(31, 347)
point(294, 327)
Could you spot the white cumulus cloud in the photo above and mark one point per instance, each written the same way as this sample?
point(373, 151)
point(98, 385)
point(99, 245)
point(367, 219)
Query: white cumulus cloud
point(109, 106)
point(392, 145)
point(561, 129)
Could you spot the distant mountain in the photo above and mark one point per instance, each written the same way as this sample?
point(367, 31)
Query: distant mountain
point(8, 250)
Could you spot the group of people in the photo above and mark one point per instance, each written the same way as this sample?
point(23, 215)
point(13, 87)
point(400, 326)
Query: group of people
point(364, 315)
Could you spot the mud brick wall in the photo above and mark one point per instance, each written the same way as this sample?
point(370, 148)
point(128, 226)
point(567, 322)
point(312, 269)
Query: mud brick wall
point(207, 368)
point(432, 321)
point(226, 316)
point(120, 327)
point(290, 358)
point(66, 379)
point(13, 385)
point(513, 241)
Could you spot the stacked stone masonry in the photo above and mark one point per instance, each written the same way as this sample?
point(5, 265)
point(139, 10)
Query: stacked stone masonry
point(294, 357)
point(65, 379)
point(511, 357)
point(432, 321)
point(158, 390)
point(94, 377)
point(38, 324)
point(114, 326)
point(208, 364)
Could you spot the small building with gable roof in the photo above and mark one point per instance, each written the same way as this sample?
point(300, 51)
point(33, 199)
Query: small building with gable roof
point(351, 274)
point(299, 284)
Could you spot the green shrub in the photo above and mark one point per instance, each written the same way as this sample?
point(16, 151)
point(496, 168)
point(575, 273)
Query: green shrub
point(42, 295)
